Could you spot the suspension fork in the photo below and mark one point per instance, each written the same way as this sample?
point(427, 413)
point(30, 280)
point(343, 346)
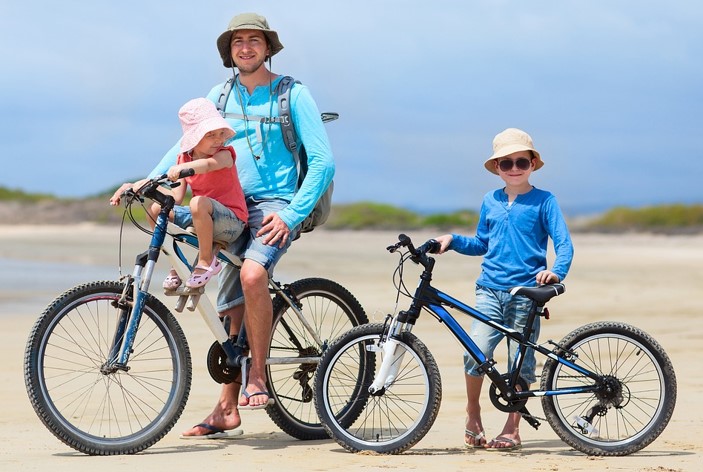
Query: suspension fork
point(138, 284)
point(392, 354)
point(389, 342)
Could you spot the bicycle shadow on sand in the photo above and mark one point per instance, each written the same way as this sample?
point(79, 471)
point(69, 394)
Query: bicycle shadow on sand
point(272, 441)
point(549, 447)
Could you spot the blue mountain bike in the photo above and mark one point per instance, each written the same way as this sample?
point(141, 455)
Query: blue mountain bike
point(108, 369)
point(607, 388)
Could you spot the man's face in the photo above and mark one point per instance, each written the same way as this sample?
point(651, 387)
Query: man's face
point(249, 50)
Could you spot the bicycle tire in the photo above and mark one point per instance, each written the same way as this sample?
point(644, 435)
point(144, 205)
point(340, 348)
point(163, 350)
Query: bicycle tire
point(332, 310)
point(390, 422)
point(123, 412)
point(643, 394)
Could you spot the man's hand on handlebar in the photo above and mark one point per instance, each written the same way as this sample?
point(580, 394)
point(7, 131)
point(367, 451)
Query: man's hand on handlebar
point(125, 187)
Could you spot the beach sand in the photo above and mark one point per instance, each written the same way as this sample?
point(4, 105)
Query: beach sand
point(653, 282)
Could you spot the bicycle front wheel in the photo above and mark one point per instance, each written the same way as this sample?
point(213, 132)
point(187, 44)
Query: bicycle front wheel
point(389, 421)
point(330, 310)
point(100, 411)
point(636, 398)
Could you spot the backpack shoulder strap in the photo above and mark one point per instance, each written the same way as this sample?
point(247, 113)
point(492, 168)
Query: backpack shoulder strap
point(224, 95)
point(290, 137)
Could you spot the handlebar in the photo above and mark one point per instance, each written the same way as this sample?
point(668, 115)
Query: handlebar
point(149, 189)
point(431, 246)
point(419, 254)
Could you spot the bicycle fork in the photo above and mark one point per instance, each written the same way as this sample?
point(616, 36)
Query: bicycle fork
point(130, 305)
point(392, 356)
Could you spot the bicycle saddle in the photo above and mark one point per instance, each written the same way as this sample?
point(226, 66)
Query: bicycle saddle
point(541, 294)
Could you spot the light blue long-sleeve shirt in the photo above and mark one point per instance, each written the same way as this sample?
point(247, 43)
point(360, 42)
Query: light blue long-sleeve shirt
point(513, 239)
point(274, 174)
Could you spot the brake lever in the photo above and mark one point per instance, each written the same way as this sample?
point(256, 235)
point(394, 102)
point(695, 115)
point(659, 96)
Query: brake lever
point(393, 247)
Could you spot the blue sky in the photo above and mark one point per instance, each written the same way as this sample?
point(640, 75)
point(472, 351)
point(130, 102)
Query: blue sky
point(610, 91)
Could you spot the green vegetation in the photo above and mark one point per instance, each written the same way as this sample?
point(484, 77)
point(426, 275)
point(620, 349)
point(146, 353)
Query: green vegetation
point(369, 215)
point(653, 218)
point(7, 194)
point(674, 218)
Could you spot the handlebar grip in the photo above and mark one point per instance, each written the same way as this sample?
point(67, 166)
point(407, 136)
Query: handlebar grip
point(186, 173)
point(432, 246)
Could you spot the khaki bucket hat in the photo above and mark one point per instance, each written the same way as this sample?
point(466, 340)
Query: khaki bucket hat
point(509, 141)
point(246, 21)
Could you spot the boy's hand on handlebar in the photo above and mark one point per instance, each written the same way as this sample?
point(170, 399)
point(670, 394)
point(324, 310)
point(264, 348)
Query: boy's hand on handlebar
point(547, 277)
point(444, 242)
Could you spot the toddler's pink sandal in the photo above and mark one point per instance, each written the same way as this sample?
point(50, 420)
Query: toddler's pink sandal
point(172, 282)
point(199, 280)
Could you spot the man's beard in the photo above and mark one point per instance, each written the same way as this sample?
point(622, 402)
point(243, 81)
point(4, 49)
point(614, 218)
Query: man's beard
point(249, 68)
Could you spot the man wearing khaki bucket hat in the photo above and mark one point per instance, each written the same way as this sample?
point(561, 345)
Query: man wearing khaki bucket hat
point(514, 227)
point(276, 204)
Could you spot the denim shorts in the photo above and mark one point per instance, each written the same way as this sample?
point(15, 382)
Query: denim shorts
point(226, 227)
point(508, 310)
point(251, 247)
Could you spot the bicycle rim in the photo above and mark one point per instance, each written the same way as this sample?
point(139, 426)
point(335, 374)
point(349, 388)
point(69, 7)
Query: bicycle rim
point(624, 416)
point(391, 421)
point(331, 310)
point(96, 412)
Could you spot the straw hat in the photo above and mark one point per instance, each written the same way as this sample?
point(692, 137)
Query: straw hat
point(246, 21)
point(198, 117)
point(509, 141)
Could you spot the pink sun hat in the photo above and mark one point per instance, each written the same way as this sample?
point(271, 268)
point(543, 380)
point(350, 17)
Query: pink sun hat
point(198, 117)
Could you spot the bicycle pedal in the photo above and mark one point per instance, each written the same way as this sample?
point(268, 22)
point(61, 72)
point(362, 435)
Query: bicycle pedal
point(193, 301)
point(181, 303)
point(183, 290)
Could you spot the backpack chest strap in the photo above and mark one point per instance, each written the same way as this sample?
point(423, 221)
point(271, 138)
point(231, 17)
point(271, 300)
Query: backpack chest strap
point(261, 120)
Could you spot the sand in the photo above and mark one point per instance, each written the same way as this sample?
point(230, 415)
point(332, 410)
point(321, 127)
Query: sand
point(653, 282)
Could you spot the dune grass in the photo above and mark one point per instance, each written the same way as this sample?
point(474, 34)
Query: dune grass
point(372, 215)
point(651, 218)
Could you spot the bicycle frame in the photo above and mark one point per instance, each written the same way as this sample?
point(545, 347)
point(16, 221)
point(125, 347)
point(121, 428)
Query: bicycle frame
point(428, 297)
point(140, 280)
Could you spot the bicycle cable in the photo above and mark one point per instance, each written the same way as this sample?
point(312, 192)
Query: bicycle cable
point(398, 280)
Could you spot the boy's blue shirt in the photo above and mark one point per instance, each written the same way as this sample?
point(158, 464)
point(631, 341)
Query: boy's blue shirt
point(275, 174)
point(513, 239)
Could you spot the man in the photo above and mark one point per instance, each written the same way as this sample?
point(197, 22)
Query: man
point(268, 173)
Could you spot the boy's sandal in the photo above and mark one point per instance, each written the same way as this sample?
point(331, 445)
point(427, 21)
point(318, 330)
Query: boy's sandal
point(199, 280)
point(514, 445)
point(172, 282)
point(476, 437)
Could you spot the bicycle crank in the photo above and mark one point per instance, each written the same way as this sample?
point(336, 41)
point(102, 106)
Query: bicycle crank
point(217, 365)
point(503, 404)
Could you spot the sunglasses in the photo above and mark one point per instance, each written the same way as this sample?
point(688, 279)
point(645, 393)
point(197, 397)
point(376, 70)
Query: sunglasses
point(522, 163)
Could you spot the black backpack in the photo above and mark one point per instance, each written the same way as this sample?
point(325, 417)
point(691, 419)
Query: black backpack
point(322, 208)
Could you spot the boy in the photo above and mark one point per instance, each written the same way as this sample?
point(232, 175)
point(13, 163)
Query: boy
point(514, 226)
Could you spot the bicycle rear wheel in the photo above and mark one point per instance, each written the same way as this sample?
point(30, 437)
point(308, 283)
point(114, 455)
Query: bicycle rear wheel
point(93, 410)
point(331, 310)
point(635, 402)
point(390, 421)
